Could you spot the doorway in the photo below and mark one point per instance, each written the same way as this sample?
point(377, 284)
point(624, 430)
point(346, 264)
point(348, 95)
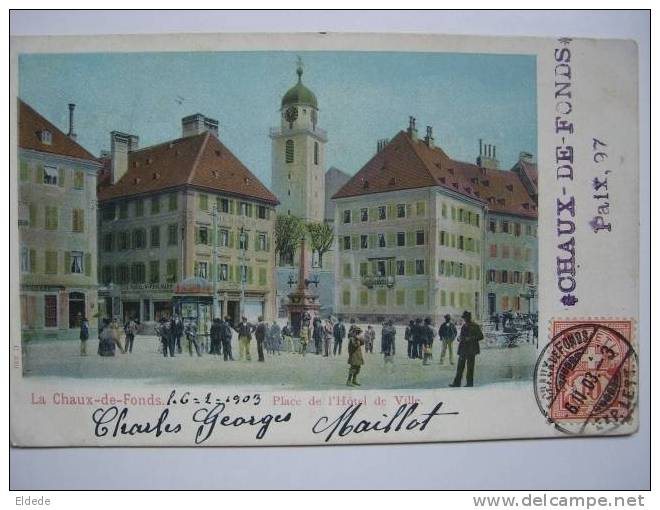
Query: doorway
point(76, 308)
point(233, 311)
point(491, 304)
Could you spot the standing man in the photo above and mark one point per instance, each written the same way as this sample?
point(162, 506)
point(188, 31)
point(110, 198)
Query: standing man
point(84, 336)
point(468, 348)
point(419, 336)
point(244, 330)
point(388, 337)
point(339, 332)
point(408, 336)
point(191, 336)
point(429, 334)
point(355, 358)
point(177, 332)
point(130, 330)
point(261, 333)
point(216, 337)
point(369, 338)
point(328, 332)
point(225, 338)
point(287, 335)
point(317, 334)
point(447, 334)
point(275, 337)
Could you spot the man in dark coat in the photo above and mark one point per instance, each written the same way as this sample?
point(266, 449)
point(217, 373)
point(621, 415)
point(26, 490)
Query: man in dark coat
point(244, 330)
point(388, 340)
point(260, 333)
point(339, 332)
point(447, 334)
point(317, 335)
point(408, 336)
point(225, 338)
point(468, 348)
point(177, 332)
point(216, 337)
point(419, 337)
point(427, 348)
point(355, 358)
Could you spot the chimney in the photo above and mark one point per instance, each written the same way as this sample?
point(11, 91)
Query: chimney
point(428, 139)
point(71, 134)
point(121, 144)
point(487, 156)
point(380, 145)
point(197, 124)
point(412, 128)
point(526, 156)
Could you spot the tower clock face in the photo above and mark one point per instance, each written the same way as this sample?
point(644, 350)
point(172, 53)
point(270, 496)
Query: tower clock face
point(291, 114)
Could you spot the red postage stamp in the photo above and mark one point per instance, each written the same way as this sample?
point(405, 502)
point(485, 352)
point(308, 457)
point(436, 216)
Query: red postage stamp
point(585, 378)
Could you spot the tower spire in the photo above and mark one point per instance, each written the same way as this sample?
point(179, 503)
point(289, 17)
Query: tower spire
point(299, 69)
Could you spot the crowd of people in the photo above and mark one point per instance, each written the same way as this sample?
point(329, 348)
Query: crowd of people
point(326, 335)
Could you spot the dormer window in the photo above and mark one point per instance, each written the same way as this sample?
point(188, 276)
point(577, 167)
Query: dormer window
point(46, 137)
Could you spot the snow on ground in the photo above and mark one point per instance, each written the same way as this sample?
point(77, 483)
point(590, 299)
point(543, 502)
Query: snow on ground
point(61, 359)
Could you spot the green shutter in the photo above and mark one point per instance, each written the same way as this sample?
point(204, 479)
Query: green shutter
point(67, 262)
point(61, 172)
point(196, 238)
point(231, 207)
point(355, 242)
point(391, 239)
point(33, 260)
point(24, 170)
point(410, 238)
point(88, 264)
point(372, 240)
point(231, 239)
point(230, 273)
point(410, 267)
point(195, 268)
point(373, 213)
point(262, 276)
point(249, 275)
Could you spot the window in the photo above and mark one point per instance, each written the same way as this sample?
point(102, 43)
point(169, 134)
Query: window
point(347, 271)
point(443, 238)
point(364, 271)
point(517, 277)
point(262, 244)
point(155, 236)
point(346, 297)
point(505, 302)
point(262, 213)
point(400, 267)
point(154, 271)
point(505, 276)
point(76, 262)
point(364, 214)
point(347, 242)
point(400, 238)
point(420, 297)
point(529, 278)
point(505, 227)
point(347, 216)
point(419, 266)
point(224, 237)
point(505, 252)
point(203, 202)
point(25, 260)
point(137, 272)
point(453, 213)
point(122, 241)
point(493, 250)
point(364, 298)
point(444, 210)
point(202, 269)
point(381, 297)
point(78, 220)
point(50, 311)
point(381, 240)
point(288, 151)
point(400, 297)
point(51, 262)
point(123, 210)
point(155, 205)
point(461, 243)
point(517, 229)
point(106, 275)
point(364, 242)
point(419, 237)
point(171, 270)
point(245, 209)
point(443, 298)
point(316, 153)
point(171, 235)
point(139, 239)
point(421, 208)
point(476, 220)
point(382, 212)
point(79, 180)
point(224, 272)
point(202, 235)
point(108, 212)
point(401, 210)
point(243, 241)
point(173, 202)
point(123, 273)
point(223, 205)
point(51, 217)
point(139, 207)
point(50, 175)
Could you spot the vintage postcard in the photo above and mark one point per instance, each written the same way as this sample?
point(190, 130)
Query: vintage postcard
point(256, 239)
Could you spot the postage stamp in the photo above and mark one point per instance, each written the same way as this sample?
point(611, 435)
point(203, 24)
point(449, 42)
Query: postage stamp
point(585, 379)
point(271, 239)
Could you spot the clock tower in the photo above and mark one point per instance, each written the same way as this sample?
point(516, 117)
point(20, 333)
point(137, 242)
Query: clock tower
point(298, 155)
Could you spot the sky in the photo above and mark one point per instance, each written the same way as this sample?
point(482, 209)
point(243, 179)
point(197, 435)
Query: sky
point(363, 97)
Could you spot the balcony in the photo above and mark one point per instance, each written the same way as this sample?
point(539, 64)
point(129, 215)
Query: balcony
point(371, 281)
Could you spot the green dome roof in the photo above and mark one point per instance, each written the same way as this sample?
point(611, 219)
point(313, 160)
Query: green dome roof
point(299, 94)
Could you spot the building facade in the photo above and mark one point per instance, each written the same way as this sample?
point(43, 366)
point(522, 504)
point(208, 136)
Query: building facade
point(57, 229)
point(185, 208)
point(414, 240)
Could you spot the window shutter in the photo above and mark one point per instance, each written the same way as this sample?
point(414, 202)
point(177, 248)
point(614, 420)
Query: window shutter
point(195, 268)
point(390, 211)
point(61, 172)
point(196, 239)
point(355, 242)
point(67, 262)
point(390, 267)
point(88, 264)
point(39, 174)
point(256, 242)
point(372, 240)
point(410, 267)
point(408, 210)
point(33, 261)
point(231, 207)
point(410, 238)
point(230, 273)
point(249, 275)
point(391, 239)
point(268, 243)
point(262, 276)
point(373, 213)
point(33, 215)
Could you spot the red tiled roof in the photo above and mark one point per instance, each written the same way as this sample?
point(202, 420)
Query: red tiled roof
point(200, 160)
point(531, 172)
point(31, 123)
point(405, 163)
